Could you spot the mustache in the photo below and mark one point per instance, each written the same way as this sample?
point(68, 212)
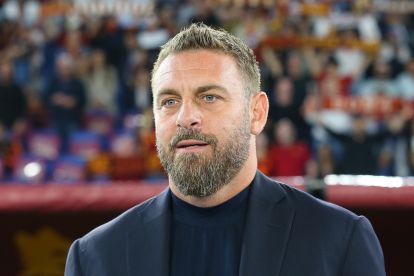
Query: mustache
point(192, 134)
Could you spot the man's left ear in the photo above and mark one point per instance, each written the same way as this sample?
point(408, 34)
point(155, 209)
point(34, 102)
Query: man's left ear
point(259, 108)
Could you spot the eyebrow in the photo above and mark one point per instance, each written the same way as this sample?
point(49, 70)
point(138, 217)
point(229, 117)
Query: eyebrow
point(209, 87)
point(167, 91)
point(200, 89)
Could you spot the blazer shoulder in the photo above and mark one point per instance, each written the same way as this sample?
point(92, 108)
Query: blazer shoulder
point(310, 206)
point(320, 232)
point(130, 219)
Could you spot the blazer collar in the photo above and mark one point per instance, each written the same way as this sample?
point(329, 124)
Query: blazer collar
point(148, 240)
point(268, 224)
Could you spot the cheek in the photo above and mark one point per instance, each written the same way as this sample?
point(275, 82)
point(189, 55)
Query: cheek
point(164, 131)
point(224, 130)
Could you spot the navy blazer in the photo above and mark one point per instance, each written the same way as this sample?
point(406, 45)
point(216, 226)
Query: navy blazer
point(287, 233)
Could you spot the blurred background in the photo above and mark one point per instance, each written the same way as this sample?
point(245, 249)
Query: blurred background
point(76, 129)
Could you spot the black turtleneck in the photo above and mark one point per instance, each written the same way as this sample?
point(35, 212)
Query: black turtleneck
point(208, 241)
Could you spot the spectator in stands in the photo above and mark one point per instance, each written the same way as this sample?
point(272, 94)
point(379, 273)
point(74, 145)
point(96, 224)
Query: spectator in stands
point(138, 96)
point(288, 156)
point(322, 164)
point(326, 160)
point(405, 82)
point(205, 13)
point(110, 38)
point(367, 22)
point(126, 162)
point(351, 60)
point(394, 53)
point(66, 99)
point(10, 151)
point(50, 50)
point(12, 118)
point(284, 106)
point(396, 46)
point(380, 83)
point(74, 47)
point(101, 83)
point(361, 148)
point(404, 152)
point(145, 136)
point(299, 66)
point(152, 37)
point(330, 83)
point(167, 19)
point(252, 29)
point(37, 116)
point(395, 28)
point(12, 99)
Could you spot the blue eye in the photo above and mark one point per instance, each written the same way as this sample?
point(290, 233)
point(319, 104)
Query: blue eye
point(169, 102)
point(210, 98)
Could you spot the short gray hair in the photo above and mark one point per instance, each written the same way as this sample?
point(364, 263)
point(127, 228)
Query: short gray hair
point(199, 36)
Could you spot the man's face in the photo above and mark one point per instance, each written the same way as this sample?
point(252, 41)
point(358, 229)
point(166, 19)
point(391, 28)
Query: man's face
point(64, 67)
point(284, 132)
point(202, 120)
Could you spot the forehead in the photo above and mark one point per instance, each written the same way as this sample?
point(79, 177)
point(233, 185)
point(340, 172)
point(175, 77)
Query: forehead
point(196, 65)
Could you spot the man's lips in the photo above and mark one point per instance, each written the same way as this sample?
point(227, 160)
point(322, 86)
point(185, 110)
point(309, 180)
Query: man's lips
point(190, 143)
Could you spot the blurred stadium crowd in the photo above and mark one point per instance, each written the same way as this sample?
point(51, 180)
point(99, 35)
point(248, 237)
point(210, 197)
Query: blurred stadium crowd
point(75, 95)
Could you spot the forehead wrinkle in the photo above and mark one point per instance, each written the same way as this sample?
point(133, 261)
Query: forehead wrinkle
point(177, 74)
point(184, 69)
point(176, 61)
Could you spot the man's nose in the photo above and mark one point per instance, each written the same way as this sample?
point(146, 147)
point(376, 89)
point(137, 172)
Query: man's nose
point(188, 116)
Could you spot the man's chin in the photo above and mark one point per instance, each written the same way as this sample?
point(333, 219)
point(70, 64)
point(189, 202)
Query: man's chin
point(190, 161)
point(190, 156)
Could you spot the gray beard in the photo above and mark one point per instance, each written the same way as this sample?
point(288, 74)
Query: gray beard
point(199, 175)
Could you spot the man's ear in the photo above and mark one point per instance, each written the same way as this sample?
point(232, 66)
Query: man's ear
point(259, 108)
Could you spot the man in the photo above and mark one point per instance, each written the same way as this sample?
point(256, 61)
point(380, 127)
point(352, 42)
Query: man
point(12, 99)
point(220, 216)
point(65, 98)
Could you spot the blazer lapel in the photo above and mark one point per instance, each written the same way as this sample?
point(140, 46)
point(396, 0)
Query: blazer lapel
point(268, 225)
point(148, 242)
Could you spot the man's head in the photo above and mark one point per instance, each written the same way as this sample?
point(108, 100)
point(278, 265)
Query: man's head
point(207, 108)
point(294, 65)
point(64, 66)
point(284, 132)
point(284, 91)
point(382, 70)
point(359, 125)
point(98, 58)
